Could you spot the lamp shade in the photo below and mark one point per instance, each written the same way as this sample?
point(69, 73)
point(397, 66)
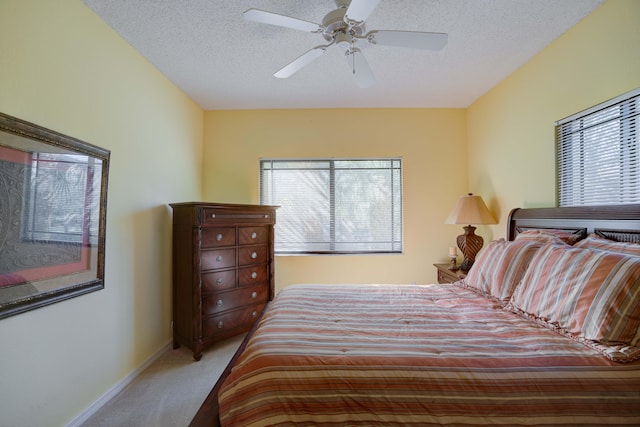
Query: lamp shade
point(470, 209)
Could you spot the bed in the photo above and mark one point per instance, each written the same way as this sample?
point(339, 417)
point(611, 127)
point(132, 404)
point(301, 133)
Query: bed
point(544, 330)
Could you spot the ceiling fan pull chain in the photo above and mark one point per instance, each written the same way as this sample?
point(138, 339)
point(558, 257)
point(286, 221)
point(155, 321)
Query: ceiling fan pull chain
point(353, 56)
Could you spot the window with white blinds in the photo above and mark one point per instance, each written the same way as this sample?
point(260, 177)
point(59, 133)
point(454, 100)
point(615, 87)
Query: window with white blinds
point(598, 154)
point(334, 206)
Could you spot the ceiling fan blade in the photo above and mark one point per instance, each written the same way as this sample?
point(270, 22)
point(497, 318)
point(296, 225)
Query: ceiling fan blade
point(257, 15)
point(359, 10)
point(412, 39)
point(360, 68)
point(301, 61)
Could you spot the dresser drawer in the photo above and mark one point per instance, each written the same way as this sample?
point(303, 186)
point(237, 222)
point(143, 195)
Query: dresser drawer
point(237, 319)
point(231, 216)
point(212, 237)
point(219, 258)
point(253, 235)
point(229, 300)
point(253, 275)
point(252, 254)
point(219, 280)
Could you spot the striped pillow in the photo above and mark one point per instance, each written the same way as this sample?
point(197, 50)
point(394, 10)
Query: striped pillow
point(593, 241)
point(591, 295)
point(500, 267)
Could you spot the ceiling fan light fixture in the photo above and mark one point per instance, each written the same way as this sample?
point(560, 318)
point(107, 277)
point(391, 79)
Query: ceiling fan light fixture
point(343, 41)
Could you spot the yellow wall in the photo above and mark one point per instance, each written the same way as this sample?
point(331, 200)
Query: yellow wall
point(431, 143)
point(511, 128)
point(63, 68)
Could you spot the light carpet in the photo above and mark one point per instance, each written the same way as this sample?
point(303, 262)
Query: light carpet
point(169, 392)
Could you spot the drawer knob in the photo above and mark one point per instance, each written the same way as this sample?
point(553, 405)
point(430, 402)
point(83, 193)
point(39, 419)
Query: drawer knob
point(254, 314)
point(254, 235)
point(219, 303)
point(219, 281)
point(220, 324)
point(213, 215)
point(254, 255)
point(254, 294)
point(254, 275)
point(219, 258)
point(219, 237)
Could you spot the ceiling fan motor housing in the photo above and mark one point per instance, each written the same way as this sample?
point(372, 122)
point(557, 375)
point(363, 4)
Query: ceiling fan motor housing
point(336, 28)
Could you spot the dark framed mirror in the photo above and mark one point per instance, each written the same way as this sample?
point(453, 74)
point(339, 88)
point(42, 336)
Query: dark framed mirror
point(53, 205)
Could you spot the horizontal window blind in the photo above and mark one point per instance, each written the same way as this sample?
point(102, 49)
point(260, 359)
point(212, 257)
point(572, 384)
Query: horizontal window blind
point(332, 206)
point(598, 154)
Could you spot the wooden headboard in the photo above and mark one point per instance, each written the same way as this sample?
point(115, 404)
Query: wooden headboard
point(615, 222)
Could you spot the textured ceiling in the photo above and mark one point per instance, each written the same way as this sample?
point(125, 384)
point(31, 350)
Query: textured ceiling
point(224, 62)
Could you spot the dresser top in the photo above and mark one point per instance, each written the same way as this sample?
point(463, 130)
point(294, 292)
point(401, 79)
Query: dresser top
point(220, 205)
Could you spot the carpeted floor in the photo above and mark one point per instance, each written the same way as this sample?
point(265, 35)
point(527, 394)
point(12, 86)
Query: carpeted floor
point(169, 392)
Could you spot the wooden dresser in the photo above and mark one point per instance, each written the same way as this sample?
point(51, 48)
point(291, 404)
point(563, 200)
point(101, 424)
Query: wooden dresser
point(223, 271)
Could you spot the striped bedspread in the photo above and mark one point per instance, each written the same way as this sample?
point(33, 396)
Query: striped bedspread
point(399, 355)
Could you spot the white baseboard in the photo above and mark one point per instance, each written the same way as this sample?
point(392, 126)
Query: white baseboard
point(111, 393)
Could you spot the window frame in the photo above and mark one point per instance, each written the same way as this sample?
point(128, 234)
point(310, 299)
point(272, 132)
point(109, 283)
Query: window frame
point(586, 140)
point(397, 216)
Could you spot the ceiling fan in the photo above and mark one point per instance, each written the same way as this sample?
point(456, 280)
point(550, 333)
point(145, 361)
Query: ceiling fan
point(344, 27)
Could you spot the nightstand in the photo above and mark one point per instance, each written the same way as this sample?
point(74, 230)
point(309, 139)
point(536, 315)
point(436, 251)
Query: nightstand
point(448, 276)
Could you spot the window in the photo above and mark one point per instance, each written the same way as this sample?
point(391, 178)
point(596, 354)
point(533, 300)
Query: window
point(335, 206)
point(598, 154)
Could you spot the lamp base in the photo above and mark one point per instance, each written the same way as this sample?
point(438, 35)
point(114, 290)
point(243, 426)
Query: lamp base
point(470, 244)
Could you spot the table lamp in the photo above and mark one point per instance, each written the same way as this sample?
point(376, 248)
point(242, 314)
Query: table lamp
point(469, 210)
